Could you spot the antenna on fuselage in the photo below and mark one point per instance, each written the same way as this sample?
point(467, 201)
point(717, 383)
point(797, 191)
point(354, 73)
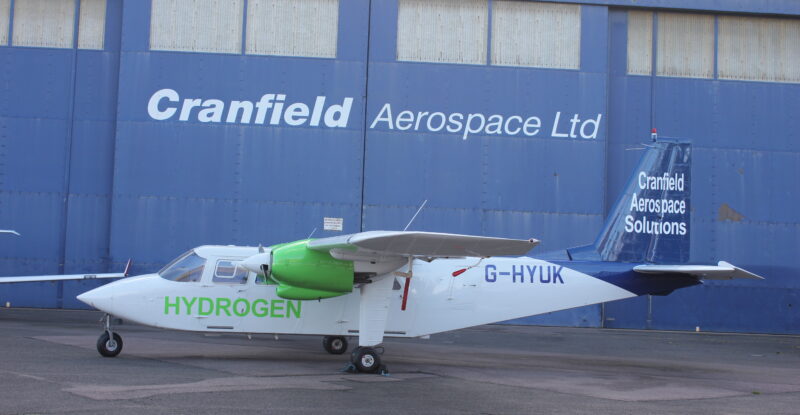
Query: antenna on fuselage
point(312, 233)
point(415, 215)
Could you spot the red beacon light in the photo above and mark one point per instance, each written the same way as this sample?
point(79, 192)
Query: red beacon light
point(653, 134)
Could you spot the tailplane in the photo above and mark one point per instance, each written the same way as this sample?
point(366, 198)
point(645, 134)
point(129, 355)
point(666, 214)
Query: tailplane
point(650, 220)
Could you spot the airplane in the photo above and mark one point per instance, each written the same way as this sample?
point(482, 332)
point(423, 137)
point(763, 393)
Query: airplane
point(376, 284)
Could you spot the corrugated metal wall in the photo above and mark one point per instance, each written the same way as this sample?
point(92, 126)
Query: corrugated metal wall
point(197, 25)
point(451, 31)
point(43, 23)
point(759, 49)
point(292, 28)
point(57, 134)
point(535, 34)
point(5, 12)
point(92, 25)
point(97, 167)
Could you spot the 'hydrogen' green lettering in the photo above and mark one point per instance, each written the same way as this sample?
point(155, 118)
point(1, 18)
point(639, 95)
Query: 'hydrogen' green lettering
point(168, 305)
point(205, 311)
point(293, 307)
point(240, 307)
point(189, 304)
point(224, 304)
point(277, 308)
point(261, 311)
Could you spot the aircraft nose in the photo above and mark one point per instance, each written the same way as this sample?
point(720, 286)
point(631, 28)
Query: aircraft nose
point(99, 298)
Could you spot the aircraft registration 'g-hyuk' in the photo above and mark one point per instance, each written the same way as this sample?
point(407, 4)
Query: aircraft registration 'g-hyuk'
point(375, 284)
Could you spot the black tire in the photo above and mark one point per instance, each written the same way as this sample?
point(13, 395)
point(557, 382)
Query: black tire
point(366, 360)
point(334, 344)
point(109, 347)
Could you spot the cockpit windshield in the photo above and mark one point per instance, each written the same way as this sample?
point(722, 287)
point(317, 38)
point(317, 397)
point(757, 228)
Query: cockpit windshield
point(186, 268)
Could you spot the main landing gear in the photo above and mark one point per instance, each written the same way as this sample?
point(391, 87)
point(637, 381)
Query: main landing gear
point(334, 344)
point(362, 359)
point(109, 344)
point(367, 360)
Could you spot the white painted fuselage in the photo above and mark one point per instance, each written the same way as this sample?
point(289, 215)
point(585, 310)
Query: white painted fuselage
point(490, 290)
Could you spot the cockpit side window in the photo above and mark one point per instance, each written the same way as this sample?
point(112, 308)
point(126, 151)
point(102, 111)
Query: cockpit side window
point(187, 268)
point(228, 272)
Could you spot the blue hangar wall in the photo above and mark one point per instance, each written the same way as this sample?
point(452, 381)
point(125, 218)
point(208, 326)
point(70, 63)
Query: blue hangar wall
point(101, 160)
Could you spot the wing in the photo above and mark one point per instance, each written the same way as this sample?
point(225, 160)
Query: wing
point(40, 278)
point(721, 271)
point(423, 244)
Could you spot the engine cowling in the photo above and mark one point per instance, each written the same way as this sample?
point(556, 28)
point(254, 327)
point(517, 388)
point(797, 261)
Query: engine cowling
point(305, 274)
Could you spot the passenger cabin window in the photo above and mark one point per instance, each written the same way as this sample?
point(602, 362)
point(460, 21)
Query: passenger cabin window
point(229, 273)
point(187, 268)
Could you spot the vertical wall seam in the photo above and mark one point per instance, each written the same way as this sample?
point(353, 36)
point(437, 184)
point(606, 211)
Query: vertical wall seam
point(10, 21)
point(68, 154)
point(716, 46)
point(653, 70)
point(607, 146)
point(364, 100)
point(245, 6)
point(113, 171)
point(489, 34)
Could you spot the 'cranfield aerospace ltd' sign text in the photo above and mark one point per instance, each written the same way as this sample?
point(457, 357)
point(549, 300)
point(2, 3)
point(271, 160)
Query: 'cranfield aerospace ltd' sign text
point(276, 110)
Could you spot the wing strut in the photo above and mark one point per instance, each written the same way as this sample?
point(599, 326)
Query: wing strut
point(407, 276)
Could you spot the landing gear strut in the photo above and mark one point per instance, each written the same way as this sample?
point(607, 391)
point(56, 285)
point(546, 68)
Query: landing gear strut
point(109, 344)
point(334, 344)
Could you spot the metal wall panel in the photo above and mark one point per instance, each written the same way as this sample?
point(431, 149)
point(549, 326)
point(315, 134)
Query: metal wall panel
point(92, 24)
point(453, 31)
point(180, 184)
point(759, 49)
point(57, 120)
point(150, 189)
point(43, 23)
point(685, 45)
point(292, 28)
point(5, 15)
point(196, 25)
point(640, 43)
point(745, 162)
point(543, 35)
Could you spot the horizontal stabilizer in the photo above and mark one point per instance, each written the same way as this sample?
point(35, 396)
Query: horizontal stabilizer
point(427, 244)
point(721, 271)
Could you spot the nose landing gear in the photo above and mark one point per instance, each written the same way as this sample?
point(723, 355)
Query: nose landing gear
point(109, 344)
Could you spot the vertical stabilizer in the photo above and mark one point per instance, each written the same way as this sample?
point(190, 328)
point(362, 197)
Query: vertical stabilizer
point(650, 220)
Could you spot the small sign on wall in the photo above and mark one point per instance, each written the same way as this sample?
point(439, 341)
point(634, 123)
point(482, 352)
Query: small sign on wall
point(333, 224)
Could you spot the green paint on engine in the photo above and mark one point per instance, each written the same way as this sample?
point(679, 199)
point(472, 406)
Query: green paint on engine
point(296, 293)
point(305, 274)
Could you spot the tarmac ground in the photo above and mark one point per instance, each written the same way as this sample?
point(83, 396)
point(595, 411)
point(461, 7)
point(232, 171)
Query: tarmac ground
point(50, 365)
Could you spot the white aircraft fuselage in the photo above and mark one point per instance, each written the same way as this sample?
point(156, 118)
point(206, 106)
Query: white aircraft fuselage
point(489, 290)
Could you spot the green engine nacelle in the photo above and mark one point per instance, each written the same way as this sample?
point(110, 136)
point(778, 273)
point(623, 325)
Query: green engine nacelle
point(305, 274)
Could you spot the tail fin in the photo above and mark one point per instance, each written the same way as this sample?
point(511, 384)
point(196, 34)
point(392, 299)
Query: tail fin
point(650, 220)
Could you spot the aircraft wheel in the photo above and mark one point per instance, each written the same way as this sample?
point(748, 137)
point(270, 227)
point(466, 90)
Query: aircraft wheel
point(109, 346)
point(334, 344)
point(366, 359)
